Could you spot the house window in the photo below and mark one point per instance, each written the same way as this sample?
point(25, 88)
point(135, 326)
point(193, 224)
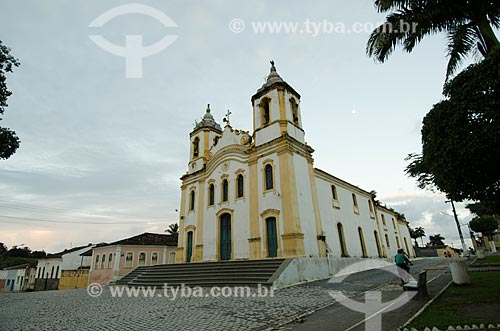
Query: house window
point(211, 195)
point(397, 242)
point(52, 272)
point(240, 186)
point(334, 193)
point(142, 259)
point(393, 224)
point(196, 147)
point(191, 200)
point(96, 265)
point(370, 205)
point(154, 259)
point(343, 248)
point(171, 259)
point(387, 241)
point(269, 177)
point(110, 260)
point(39, 272)
point(129, 260)
point(57, 272)
point(383, 220)
point(354, 200)
point(265, 111)
point(225, 190)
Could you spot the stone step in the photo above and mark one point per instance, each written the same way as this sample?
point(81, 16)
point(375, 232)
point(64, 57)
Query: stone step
point(233, 273)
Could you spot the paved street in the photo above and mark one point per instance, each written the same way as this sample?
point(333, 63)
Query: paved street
point(76, 310)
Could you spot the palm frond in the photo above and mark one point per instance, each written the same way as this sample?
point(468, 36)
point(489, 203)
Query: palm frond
point(462, 40)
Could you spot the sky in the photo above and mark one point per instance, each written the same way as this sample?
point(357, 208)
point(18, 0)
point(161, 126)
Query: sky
point(101, 154)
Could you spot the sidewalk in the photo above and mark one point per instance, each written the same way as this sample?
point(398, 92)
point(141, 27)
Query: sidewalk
point(337, 317)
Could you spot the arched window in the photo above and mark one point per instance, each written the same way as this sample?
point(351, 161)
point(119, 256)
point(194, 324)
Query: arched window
point(225, 190)
point(57, 272)
point(378, 244)
point(142, 259)
point(240, 186)
point(110, 260)
point(52, 272)
point(265, 111)
point(129, 260)
point(370, 205)
point(343, 249)
point(269, 177)
point(383, 219)
point(211, 194)
point(191, 200)
point(96, 265)
point(196, 147)
point(362, 242)
point(295, 111)
point(354, 200)
point(334, 193)
point(154, 259)
point(103, 262)
point(387, 241)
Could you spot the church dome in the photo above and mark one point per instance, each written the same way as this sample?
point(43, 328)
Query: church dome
point(208, 121)
point(273, 78)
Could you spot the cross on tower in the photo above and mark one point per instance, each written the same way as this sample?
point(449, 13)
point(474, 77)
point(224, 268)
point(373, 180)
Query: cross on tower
point(226, 118)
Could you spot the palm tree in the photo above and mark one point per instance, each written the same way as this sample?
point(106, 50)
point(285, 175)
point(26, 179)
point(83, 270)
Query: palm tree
point(173, 230)
point(420, 233)
point(469, 25)
point(436, 240)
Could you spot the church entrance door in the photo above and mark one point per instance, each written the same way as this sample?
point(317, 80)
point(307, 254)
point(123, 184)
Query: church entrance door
point(272, 239)
point(225, 237)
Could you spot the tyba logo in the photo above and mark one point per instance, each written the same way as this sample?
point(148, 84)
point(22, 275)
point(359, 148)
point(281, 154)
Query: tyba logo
point(133, 51)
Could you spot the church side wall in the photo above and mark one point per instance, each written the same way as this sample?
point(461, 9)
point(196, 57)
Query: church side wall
point(342, 211)
point(306, 207)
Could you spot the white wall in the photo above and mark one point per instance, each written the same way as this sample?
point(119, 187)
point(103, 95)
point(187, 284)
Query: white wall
point(48, 264)
point(73, 260)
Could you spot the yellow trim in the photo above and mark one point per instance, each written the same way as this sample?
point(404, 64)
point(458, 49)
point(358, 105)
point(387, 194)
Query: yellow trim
point(217, 227)
point(343, 243)
point(254, 241)
point(264, 215)
point(293, 238)
point(198, 253)
point(281, 101)
point(317, 215)
point(180, 244)
point(361, 236)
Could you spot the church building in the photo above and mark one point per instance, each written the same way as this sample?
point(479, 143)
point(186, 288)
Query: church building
point(256, 195)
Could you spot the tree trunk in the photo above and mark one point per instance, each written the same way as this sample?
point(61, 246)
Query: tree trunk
point(487, 33)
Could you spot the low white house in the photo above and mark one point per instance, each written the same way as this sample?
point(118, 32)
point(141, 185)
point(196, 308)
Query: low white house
point(49, 269)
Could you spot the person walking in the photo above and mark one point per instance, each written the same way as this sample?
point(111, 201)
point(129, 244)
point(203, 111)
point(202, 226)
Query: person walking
point(402, 263)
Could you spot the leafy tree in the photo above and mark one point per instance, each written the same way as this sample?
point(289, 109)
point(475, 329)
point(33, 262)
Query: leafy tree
point(486, 225)
point(436, 240)
point(461, 136)
point(3, 248)
point(486, 207)
point(173, 229)
point(469, 26)
point(38, 254)
point(9, 142)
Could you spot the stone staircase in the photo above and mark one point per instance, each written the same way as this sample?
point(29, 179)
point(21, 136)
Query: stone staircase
point(227, 273)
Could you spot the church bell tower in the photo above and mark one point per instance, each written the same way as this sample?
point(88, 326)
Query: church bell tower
point(276, 110)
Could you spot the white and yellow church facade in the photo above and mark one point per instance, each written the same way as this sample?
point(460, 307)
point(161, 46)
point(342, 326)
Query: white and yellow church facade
point(257, 195)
